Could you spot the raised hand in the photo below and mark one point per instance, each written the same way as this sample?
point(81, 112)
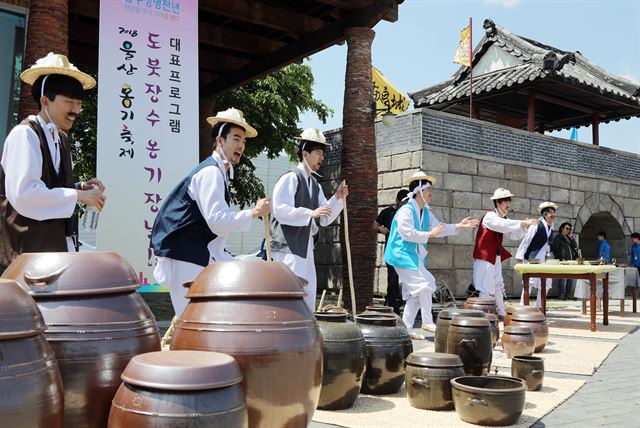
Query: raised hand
point(323, 211)
point(263, 207)
point(437, 230)
point(529, 222)
point(468, 222)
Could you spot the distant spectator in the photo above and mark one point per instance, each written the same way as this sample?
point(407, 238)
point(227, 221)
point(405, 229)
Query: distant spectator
point(382, 224)
point(634, 259)
point(564, 247)
point(604, 251)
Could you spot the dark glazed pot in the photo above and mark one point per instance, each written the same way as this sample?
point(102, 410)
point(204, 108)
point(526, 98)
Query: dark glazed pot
point(97, 323)
point(495, 329)
point(531, 369)
point(30, 384)
point(484, 304)
point(387, 347)
point(518, 341)
point(488, 400)
point(470, 338)
point(427, 379)
point(444, 320)
point(537, 323)
point(513, 309)
point(180, 389)
point(384, 310)
point(343, 361)
point(254, 311)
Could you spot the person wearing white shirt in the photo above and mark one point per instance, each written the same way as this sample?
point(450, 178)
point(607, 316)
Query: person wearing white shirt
point(406, 249)
point(536, 244)
point(191, 228)
point(38, 196)
point(300, 208)
point(489, 253)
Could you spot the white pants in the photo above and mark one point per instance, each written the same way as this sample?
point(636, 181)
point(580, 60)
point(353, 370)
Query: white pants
point(304, 268)
point(487, 279)
point(417, 291)
point(175, 273)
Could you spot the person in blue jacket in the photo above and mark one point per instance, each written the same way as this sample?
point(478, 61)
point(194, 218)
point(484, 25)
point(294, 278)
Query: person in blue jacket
point(604, 250)
point(412, 227)
point(634, 258)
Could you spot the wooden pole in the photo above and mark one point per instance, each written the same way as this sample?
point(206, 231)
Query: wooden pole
point(267, 236)
point(169, 333)
point(324, 293)
point(346, 239)
point(470, 67)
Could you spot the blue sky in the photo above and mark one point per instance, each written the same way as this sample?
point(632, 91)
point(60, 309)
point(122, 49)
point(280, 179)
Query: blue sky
point(416, 51)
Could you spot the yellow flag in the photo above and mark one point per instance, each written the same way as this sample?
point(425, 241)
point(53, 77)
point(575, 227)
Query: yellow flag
point(463, 54)
point(387, 97)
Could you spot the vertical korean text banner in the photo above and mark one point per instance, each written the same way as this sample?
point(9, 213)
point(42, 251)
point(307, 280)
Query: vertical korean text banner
point(147, 118)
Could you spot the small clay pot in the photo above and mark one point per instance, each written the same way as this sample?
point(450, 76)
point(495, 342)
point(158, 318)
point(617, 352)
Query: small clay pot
point(512, 309)
point(537, 322)
point(427, 379)
point(517, 341)
point(485, 304)
point(531, 369)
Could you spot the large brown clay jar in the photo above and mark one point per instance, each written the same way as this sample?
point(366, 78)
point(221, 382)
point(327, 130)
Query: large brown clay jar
point(485, 304)
point(427, 379)
point(537, 323)
point(444, 320)
point(470, 338)
point(512, 309)
point(173, 389)
point(254, 311)
point(387, 347)
point(517, 341)
point(343, 361)
point(97, 323)
point(30, 384)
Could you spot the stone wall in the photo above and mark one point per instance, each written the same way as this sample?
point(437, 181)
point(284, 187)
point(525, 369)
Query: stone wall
point(470, 159)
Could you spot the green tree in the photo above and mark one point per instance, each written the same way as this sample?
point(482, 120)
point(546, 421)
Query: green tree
point(273, 106)
point(84, 134)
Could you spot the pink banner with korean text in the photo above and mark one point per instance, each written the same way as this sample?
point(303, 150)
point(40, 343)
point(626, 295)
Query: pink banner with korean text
point(147, 118)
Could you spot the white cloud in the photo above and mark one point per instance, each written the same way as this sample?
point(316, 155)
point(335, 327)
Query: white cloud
point(509, 4)
point(632, 77)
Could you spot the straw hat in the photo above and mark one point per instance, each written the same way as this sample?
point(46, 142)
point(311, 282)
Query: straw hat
point(314, 135)
point(421, 176)
point(501, 194)
point(547, 204)
point(56, 64)
point(235, 116)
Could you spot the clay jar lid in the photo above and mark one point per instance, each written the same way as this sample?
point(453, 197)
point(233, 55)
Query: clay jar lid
point(512, 309)
point(182, 370)
point(528, 316)
point(470, 322)
point(511, 329)
point(19, 313)
point(492, 317)
point(379, 319)
point(481, 300)
point(434, 359)
point(246, 278)
point(379, 308)
point(448, 314)
point(331, 316)
point(58, 274)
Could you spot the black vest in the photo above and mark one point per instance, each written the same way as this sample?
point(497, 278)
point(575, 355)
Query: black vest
point(19, 234)
point(538, 241)
point(180, 231)
point(294, 239)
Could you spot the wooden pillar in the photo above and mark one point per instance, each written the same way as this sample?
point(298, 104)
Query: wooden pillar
point(476, 112)
point(531, 113)
point(47, 31)
point(595, 129)
point(359, 164)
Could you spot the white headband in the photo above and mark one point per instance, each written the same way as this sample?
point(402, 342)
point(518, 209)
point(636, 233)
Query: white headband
point(418, 189)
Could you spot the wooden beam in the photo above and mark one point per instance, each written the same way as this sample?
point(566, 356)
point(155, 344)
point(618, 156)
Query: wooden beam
point(264, 15)
point(595, 129)
point(558, 101)
point(213, 60)
point(221, 37)
point(308, 45)
point(346, 4)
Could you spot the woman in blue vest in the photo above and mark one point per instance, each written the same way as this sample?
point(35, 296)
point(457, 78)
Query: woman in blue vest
point(536, 244)
point(406, 250)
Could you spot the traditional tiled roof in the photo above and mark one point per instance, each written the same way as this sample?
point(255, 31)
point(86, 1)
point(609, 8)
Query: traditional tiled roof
point(540, 63)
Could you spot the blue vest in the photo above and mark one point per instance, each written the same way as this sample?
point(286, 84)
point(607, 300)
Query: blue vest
point(538, 241)
point(179, 231)
point(400, 253)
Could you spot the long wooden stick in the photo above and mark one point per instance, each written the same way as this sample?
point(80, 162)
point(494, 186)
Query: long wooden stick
point(169, 333)
point(267, 236)
point(324, 293)
point(346, 239)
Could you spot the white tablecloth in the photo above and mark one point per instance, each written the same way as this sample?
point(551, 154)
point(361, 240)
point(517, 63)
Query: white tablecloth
point(619, 279)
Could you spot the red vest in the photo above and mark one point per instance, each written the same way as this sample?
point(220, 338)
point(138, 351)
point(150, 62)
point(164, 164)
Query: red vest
point(489, 245)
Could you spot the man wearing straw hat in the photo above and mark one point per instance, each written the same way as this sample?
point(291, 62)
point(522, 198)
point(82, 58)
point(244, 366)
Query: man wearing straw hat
point(536, 244)
point(38, 196)
point(489, 253)
point(406, 250)
point(300, 208)
point(191, 228)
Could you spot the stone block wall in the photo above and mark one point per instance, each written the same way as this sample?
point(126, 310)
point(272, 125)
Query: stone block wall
point(470, 159)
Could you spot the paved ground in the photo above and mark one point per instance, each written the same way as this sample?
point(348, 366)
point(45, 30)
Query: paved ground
point(610, 397)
